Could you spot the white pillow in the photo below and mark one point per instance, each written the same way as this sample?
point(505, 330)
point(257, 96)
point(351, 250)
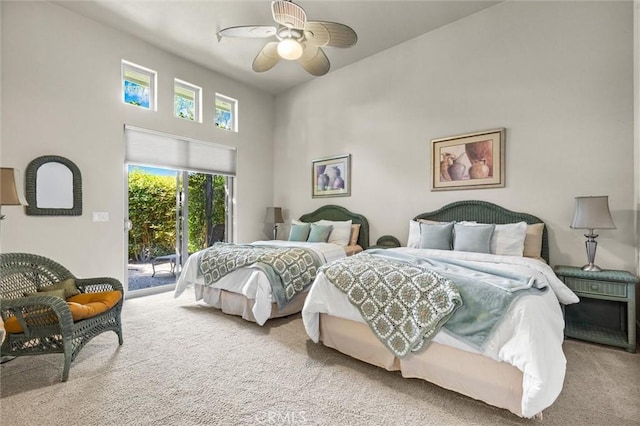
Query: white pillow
point(414, 235)
point(341, 232)
point(508, 239)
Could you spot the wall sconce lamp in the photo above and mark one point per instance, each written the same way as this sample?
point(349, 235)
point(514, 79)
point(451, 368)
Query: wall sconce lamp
point(11, 189)
point(592, 213)
point(274, 215)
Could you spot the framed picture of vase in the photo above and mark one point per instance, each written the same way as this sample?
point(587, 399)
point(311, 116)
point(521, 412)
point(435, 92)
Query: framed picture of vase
point(331, 176)
point(471, 161)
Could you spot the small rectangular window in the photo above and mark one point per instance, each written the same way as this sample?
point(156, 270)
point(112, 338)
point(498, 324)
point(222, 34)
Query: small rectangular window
point(226, 113)
point(138, 86)
point(187, 99)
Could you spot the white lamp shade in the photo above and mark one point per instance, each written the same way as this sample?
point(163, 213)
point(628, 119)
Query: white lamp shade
point(290, 49)
point(592, 213)
point(11, 188)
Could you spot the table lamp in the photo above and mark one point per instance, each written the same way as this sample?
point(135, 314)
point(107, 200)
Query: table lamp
point(10, 189)
point(592, 213)
point(274, 215)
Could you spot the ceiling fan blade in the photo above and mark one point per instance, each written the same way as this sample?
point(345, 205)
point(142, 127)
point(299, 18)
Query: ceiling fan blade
point(267, 58)
point(330, 34)
point(289, 14)
point(248, 31)
point(314, 60)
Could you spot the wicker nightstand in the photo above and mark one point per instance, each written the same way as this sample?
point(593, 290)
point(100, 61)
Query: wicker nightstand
point(601, 293)
point(387, 241)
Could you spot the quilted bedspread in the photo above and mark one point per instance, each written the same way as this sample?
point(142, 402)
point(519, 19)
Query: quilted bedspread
point(290, 270)
point(405, 305)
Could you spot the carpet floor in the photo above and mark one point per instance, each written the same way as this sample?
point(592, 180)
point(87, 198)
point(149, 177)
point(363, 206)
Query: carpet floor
point(187, 364)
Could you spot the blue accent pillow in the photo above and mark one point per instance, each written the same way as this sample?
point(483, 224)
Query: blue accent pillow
point(436, 236)
point(299, 232)
point(475, 238)
point(319, 233)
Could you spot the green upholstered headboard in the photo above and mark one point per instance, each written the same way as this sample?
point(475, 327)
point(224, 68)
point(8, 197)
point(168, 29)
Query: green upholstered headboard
point(485, 212)
point(332, 212)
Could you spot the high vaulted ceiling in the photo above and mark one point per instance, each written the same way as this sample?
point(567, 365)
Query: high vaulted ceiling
point(188, 28)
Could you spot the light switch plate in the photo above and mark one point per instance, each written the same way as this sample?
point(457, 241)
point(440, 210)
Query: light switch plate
point(100, 216)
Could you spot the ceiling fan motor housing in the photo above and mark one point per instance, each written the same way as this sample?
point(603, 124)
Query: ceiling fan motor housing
point(285, 32)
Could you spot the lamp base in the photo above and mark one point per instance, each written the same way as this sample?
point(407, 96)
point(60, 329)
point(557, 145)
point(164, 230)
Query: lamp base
point(591, 245)
point(591, 268)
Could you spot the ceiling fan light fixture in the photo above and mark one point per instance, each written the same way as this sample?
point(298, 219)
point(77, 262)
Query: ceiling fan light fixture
point(290, 49)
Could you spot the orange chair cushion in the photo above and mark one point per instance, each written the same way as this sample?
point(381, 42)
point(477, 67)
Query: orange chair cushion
point(82, 306)
point(87, 305)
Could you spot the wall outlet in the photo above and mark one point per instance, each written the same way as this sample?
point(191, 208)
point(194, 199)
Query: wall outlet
point(100, 216)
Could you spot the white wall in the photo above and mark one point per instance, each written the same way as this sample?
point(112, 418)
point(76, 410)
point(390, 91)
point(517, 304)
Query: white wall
point(61, 95)
point(557, 75)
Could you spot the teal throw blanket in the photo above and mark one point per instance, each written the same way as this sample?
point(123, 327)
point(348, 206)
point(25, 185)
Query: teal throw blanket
point(290, 269)
point(404, 304)
point(487, 293)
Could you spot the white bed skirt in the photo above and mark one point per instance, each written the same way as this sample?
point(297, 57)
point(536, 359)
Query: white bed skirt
point(497, 383)
point(238, 304)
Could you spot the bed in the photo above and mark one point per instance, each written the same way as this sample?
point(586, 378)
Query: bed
point(520, 365)
point(247, 291)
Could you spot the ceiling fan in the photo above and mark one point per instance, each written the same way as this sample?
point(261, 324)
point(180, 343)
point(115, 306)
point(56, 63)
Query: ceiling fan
point(298, 39)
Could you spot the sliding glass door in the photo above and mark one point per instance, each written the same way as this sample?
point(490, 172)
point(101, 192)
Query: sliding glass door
point(172, 213)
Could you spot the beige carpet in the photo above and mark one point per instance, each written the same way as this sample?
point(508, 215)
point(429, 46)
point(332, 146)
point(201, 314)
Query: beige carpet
point(186, 364)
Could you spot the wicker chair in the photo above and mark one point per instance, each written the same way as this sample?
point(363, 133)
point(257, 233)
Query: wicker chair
point(22, 273)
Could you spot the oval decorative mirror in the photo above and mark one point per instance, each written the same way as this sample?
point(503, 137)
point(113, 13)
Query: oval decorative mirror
point(53, 187)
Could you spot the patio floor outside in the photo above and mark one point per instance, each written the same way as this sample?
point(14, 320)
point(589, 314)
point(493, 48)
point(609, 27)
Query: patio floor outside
point(140, 276)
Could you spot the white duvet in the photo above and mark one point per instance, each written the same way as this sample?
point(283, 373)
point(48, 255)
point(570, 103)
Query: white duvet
point(250, 281)
point(529, 337)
